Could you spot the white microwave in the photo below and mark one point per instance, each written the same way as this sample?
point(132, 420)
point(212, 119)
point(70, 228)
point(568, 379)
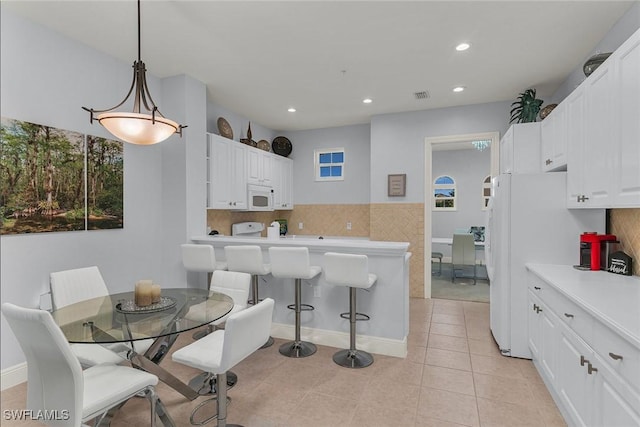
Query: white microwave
point(259, 198)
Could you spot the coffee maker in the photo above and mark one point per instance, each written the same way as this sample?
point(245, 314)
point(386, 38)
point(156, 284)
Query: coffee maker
point(595, 250)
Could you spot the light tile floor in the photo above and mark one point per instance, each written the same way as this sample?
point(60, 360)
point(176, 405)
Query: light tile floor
point(452, 376)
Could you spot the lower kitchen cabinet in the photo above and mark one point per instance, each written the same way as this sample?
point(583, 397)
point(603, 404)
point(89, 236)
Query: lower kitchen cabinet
point(591, 368)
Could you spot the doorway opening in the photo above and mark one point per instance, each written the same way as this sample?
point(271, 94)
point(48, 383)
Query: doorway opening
point(458, 208)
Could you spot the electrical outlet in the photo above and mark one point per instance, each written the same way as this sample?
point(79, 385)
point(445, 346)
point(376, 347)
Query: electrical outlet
point(348, 226)
point(316, 291)
point(300, 226)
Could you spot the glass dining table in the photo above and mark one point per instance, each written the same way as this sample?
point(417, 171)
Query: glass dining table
point(116, 319)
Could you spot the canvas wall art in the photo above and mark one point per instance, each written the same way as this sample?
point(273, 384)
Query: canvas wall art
point(44, 172)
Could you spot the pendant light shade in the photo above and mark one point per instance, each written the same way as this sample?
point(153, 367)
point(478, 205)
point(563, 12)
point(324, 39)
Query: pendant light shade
point(137, 127)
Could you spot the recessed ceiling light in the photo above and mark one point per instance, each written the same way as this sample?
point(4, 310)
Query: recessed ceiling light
point(291, 110)
point(458, 88)
point(367, 100)
point(463, 46)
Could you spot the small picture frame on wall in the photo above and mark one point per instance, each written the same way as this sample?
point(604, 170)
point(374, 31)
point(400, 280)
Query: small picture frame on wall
point(397, 185)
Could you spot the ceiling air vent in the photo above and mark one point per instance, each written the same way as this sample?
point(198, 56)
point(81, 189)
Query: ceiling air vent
point(421, 95)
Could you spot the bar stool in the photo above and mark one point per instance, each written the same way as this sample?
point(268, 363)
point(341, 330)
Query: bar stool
point(353, 271)
point(201, 259)
point(248, 259)
point(236, 285)
point(293, 263)
point(438, 256)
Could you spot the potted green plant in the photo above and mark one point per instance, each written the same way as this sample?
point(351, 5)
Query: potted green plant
point(526, 108)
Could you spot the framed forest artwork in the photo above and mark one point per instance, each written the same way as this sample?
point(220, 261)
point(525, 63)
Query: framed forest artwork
point(58, 180)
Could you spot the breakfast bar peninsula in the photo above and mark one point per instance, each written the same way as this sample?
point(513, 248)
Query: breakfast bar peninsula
point(386, 302)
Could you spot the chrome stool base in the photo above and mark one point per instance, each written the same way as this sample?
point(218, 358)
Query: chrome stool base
point(298, 349)
point(269, 343)
point(204, 384)
point(353, 358)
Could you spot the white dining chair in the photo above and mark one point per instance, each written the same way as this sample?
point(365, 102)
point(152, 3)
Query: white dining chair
point(463, 254)
point(236, 285)
point(80, 284)
point(58, 386)
point(244, 333)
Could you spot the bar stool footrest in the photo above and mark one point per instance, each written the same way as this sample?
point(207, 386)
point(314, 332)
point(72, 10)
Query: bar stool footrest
point(303, 307)
point(211, 418)
point(359, 316)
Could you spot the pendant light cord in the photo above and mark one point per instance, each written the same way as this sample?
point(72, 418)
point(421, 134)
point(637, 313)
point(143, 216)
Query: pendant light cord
point(139, 55)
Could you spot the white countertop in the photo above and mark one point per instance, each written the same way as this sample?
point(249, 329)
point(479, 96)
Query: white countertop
point(355, 245)
point(611, 298)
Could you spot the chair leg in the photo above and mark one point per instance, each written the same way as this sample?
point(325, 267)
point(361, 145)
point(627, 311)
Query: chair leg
point(297, 348)
point(222, 404)
point(158, 409)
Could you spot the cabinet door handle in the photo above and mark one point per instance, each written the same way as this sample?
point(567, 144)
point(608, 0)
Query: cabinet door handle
point(583, 360)
point(548, 162)
point(615, 356)
point(535, 307)
point(537, 288)
point(591, 369)
point(568, 315)
point(539, 309)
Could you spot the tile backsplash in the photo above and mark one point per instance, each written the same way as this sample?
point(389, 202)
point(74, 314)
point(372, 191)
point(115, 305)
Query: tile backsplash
point(625, 224)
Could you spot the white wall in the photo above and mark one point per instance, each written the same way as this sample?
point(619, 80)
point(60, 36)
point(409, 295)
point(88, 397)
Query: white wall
point(46, 78)
point(397, 142)
point(355, 187)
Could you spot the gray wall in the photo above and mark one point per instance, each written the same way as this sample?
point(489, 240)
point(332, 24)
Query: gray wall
point(355, 187)
point(621, 31)
point(46, 78)
point(397, 142)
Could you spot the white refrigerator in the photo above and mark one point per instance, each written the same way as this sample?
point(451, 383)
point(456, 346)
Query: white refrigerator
point(528, 221)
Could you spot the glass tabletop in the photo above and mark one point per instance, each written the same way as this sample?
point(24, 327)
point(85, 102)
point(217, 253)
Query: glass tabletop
point(115, 318)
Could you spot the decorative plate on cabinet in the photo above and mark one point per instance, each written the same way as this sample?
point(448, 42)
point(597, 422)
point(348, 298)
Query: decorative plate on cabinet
point(225, 128)
point(263, 144)
point(281, 145)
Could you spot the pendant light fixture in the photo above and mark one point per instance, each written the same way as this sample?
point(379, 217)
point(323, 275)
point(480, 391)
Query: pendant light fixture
point(142, 128)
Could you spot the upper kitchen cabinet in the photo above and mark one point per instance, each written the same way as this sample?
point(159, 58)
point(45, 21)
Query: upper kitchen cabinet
point(553, 131)
point(259, 167)
point(604, 133)
point(520, 149)
point(227, 174)
point(626, 185)
point(282, 183)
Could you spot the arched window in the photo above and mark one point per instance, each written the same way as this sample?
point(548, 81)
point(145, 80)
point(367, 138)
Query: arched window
point(444, 193)
point(486, 192)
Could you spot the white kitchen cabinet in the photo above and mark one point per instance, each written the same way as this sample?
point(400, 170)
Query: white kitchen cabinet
point(626, 171)
point(576, 166)
point(259, 168)
point(593, 364)
point(553, 135)
point(226, 174)
point(520, 149)
point(603, 161)
point(543, 335)
point(282, 183)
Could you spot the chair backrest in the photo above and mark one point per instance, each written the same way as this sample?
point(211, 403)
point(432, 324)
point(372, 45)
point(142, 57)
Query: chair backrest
point(55, 380)
point(72, 286)
point(245, 332)
point(232, 283)
point(463, 249)
point(198, 257)
point(346, 269)
point(244, 258)
point(289, 262)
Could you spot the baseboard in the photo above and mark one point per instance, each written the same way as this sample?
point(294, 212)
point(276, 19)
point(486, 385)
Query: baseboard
point(377, 345)
point(13, 375)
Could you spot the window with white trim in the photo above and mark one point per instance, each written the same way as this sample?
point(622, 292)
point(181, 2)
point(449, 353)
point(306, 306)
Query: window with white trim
point(486, 192)
point(329, 164)
point(444, 193)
